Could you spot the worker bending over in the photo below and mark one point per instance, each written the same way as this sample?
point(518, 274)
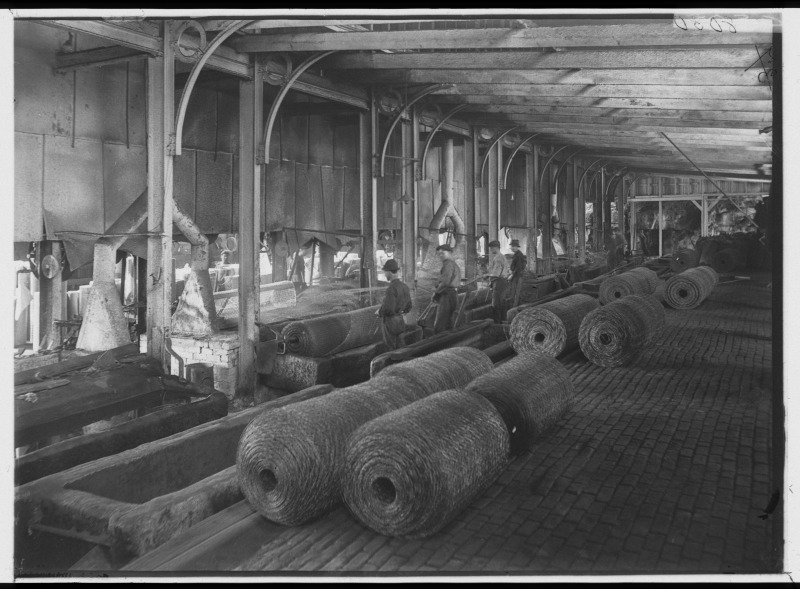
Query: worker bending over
point(518, 263)
point(445, 293)
point(498, 280)
point(396, 304)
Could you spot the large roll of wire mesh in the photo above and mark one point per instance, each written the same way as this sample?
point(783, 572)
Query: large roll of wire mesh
point(617, 333)
point(688, 289)
point(683, 260)
point(447, 369)
point(329, 334)
point(551, 327)
point(531, 392)
point(640, 281)
point(727, 260)
point(290, 459)
point(410, 472)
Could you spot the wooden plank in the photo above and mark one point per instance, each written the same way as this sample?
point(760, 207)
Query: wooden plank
point(748, 32)
point(86, 399)
point(317, 214)
point(199, 534)
point(680, 77)
point(320, 148)
point(77, 363)
point(333, 184)
point(701, 138)
point(307, 211)
point(536, 121)
point(718, 104)
point(214, 191)
point(97, 57)
point(345, 142)
point(279, 196)
point(24, 389)
point(684, 115)
point(350, 197)
point(624, 90)
point(708, 56)
point(294, 139)
point(184, 177)
point(124, 178)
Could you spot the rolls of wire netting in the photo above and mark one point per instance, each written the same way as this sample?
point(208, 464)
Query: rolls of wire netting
point(447, 369)
point(617, 333)
point(531, 392)
point(689, 289)
point(637, 281)
point(551, 327)
point(410, 472)
point(332, 333)
point(727, 260)
point(289, 459)
point(683, 260)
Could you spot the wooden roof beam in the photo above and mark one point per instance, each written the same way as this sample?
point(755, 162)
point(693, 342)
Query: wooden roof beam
point(608, 102)
point(748, 32)
point(706, 57)
point(615, 121)
point(764, 117)
point(661, 77)
point(626, 91)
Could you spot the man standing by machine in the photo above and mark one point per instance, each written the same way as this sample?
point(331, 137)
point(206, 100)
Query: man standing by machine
point(497, 275)
point(445, 293)
point(518, 264)
point(396, 304)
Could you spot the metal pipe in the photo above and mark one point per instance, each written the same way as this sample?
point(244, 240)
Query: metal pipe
point(488, 151)
point(263, 156)
point(564, 163)
point(187, 89)
point(429, 140)
point(417, 97)
point(544, 168)
point(511, 157)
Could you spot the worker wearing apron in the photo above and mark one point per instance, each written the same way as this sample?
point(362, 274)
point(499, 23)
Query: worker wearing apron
point(396, 304)
point(445, 293)
point(498, 280)
point(518, 264)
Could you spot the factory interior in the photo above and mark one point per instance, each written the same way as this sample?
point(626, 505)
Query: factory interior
point(442, 294)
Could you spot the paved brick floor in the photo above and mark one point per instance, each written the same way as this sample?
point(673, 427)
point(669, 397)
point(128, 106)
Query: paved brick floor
point(663, 466)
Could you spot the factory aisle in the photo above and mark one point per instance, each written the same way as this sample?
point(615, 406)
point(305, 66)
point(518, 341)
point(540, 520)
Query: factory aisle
point(661, 467)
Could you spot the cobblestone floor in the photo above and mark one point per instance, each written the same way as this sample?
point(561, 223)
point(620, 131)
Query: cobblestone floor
point(663, 466)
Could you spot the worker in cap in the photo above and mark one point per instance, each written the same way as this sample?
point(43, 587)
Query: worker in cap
point(396, 303)
point(518, 264)
point(497, 276)
point(445, 292)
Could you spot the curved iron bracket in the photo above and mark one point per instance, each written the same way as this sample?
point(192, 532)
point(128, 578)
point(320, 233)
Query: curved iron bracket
point(423, 157)
point(614, 180)
point(187, 89)
point(263, 152)
point(511, 157)
point(488, 151)
point(549, 161)
point(633, 183)
point(596, 174)
point(586, 171)
point(564, 163)
point(417, 97)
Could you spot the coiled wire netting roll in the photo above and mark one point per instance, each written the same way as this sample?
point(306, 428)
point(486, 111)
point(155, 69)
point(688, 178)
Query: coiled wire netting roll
point(683, 260)
point(332, 333)
point(410, 472)
point(617, 333)
point(728, 259)
point(531, 392)
point(551, 327)
point(289, 459)
point(637, 281)
point(688, 289)
point(447, 369)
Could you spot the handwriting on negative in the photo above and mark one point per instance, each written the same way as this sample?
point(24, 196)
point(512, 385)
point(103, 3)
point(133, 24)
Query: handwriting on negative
point(700, 24)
